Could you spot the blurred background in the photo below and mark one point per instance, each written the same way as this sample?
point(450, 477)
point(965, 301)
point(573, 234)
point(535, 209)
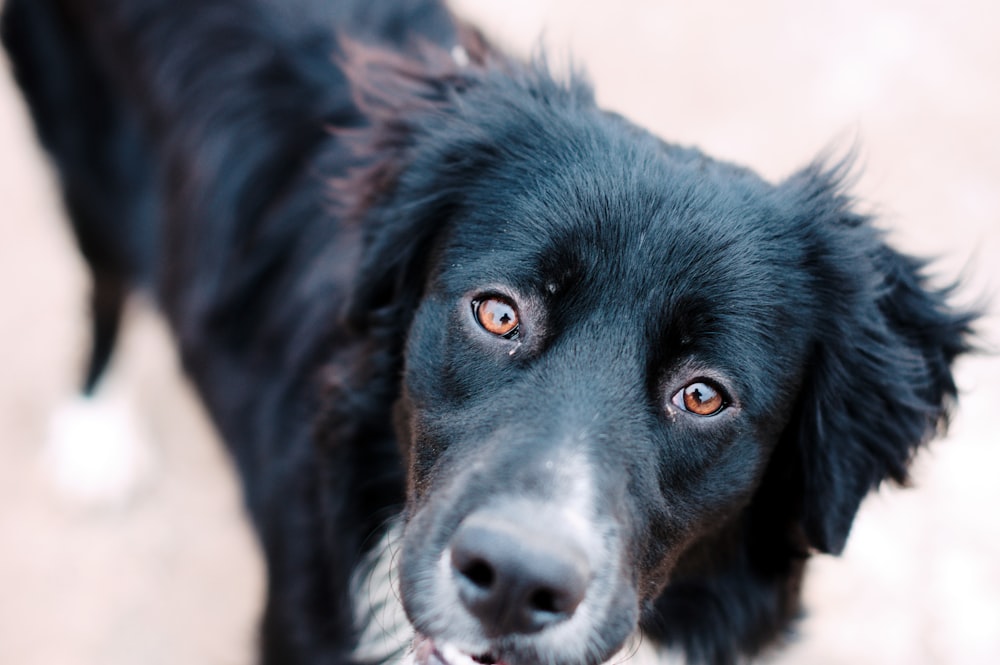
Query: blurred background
point(169, 573)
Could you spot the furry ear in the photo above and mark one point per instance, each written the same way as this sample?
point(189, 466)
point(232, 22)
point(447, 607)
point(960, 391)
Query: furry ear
point(879, 383)
point(394, 265)
point(398, 197)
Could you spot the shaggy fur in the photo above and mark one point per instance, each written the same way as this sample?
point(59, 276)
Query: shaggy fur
point(322, 196)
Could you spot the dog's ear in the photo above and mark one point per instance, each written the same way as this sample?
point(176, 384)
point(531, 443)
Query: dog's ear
point(879, 381)
point(395, 262)
point(402, 199)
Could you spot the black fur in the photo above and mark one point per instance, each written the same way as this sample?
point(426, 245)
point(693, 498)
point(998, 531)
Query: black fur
point(318, 195)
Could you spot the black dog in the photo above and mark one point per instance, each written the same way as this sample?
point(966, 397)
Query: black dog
point(588, 385)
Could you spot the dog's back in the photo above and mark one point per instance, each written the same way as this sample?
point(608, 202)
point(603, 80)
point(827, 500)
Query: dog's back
point(255, 83)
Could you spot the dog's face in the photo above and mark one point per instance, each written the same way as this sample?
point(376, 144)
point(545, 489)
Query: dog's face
point(597, 373)
point(595, 376)
point(610, 339)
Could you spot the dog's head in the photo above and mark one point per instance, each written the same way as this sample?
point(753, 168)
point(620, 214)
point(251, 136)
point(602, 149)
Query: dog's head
point(639, 385)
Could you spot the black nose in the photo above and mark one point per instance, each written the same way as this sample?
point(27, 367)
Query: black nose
point(514, 578)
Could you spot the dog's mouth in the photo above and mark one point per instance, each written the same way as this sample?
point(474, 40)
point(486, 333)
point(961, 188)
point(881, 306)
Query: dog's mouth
point(428, 652)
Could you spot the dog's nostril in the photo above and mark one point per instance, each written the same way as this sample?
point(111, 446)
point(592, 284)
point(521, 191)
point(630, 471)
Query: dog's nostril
point(544, 600)
point(479, 573)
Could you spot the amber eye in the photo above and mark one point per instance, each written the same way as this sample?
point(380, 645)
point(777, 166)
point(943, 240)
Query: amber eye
point(701, 398)
point(497, 315)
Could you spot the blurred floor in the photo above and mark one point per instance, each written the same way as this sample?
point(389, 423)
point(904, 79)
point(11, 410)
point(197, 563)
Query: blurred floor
point(173, 577)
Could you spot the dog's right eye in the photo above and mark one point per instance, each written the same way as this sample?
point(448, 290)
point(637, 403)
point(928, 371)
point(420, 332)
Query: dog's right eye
point(702, 398)
point(497, 315)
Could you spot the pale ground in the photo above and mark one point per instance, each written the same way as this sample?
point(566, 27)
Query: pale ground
point(171, 577)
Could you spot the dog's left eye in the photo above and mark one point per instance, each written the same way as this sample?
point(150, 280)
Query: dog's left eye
point(497, 315)
point(702, 398)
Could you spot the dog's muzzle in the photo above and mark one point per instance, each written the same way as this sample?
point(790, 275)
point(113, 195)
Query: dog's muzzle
point(515, 578)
